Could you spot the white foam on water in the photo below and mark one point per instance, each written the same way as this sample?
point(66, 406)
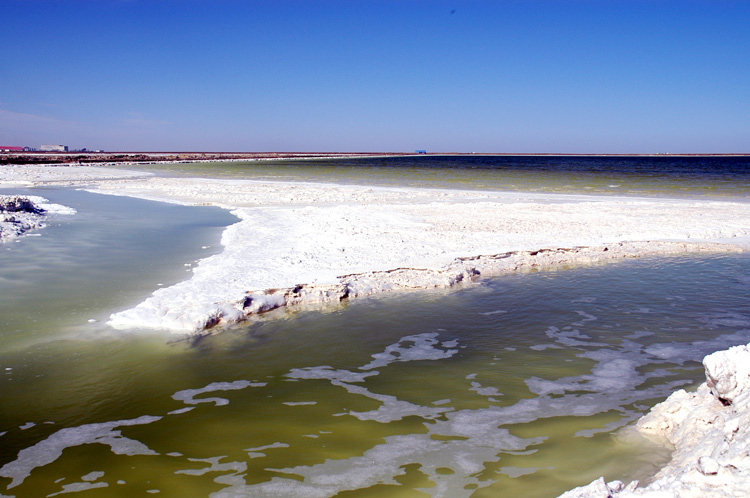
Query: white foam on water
point(681, 352)
point(300, 403)
point(258, 451)
point(231, 473)
point(181, 410)
point(570, 337)
point(484, 391)
point(514, 472)
point(76, 487)
point(187, 396)
point(586, 318)
point(639, 334)
point(51, 448)
point(328, 373)
point(587, 300)
point(392, 408)
point(92, 476)
point(725, 319)
point(412, 348)
point(496, 312)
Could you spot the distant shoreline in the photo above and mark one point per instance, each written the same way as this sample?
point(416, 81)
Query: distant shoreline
point(173, 157)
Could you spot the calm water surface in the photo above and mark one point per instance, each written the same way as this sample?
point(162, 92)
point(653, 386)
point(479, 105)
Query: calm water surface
point(712, 177)
point(515, 386)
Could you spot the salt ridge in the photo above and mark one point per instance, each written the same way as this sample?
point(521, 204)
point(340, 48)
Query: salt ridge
point(299, 243)
point(709, 431)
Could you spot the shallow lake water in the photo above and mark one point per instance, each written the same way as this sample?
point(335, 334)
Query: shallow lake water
point(725, 177)
point(522, 385)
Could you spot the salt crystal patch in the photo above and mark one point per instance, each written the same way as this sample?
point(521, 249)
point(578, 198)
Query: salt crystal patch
point(50, 449)
point(490, 313)
point(77, 487)
point(422, 347)
point(92, 476)
point(181, 410)
point(187, 396)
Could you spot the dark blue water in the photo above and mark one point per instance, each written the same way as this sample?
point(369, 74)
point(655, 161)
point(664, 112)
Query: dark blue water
point(697, 176)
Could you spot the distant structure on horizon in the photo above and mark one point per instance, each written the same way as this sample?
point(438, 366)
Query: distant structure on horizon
point(11, 148)
point(420, 151)
point(54, 148)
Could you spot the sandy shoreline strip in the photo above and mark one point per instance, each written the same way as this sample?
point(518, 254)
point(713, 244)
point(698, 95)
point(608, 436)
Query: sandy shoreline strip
point(298, 243)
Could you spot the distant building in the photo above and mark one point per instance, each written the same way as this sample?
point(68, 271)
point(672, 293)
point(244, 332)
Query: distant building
point(10, 148)
point(54, 148)
point(420, 151)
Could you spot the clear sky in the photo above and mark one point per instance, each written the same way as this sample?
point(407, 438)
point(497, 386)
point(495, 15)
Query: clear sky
point(604, 76)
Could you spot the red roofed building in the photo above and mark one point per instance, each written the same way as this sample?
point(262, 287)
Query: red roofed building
point(10, 148)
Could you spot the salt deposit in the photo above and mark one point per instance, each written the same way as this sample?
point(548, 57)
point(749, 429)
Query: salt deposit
point(21, 214)
point(307, 243)
point(15, 175)
point(311, 243)
point(709, 431)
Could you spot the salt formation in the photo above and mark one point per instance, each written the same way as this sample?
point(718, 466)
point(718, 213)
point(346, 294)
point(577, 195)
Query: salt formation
point(709, 432)
point(19, 214)
point(311, 243)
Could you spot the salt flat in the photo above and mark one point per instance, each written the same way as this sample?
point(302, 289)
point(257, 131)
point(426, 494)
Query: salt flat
point(307, 242)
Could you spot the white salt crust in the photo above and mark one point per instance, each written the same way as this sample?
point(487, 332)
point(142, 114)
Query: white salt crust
point(309, 243)
point(709, 432)
point(14, 224)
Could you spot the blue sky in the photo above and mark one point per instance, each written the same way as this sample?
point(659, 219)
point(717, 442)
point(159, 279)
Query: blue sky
point(602, 76)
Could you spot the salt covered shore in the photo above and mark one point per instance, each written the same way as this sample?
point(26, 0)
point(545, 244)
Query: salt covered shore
point(709, 430)
point(306, 243)
point(21, 214)
point(301, 243)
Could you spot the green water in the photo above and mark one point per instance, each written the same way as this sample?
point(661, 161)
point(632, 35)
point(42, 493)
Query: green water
point(516, 386)
point(707, 177)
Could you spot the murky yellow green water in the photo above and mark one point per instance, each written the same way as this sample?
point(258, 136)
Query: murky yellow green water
point(712, 177)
